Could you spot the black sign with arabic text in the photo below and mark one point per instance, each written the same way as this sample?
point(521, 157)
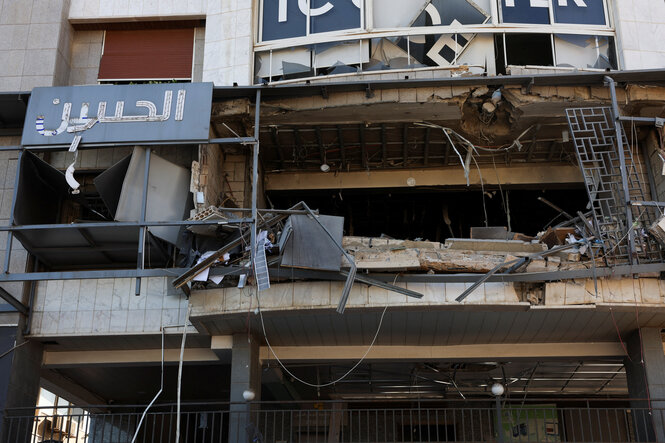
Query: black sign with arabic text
point(106, 114)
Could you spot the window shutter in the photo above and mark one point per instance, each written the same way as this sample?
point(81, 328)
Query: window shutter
point(147, 54)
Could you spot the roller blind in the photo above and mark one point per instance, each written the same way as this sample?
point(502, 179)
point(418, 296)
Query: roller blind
point(147, 54)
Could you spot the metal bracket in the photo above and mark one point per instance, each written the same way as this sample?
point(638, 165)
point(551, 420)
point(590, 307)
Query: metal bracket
point(369, 93)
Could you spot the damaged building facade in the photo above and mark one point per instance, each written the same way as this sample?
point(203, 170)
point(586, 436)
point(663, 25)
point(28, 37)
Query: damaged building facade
point(339, 221)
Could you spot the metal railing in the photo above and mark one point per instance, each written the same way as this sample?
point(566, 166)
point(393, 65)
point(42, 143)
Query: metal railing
point(412, 421)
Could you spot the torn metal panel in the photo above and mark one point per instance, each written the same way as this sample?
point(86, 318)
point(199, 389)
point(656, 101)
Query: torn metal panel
point(341, 53)
point(42, 189)
point(66, 248)
point(109, 183)
point(283, 62)
point(168, 193)
point(308, 246)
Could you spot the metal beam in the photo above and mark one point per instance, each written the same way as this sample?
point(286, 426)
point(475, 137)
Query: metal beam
point(255, 178)
point(524, 174)
point(20, 307)
point(622, 167)
point(427, 140)
point(275, 141)
point(384, 146)
point(322, 149)
point(363, 146)
point(616, 271)
point(501, 351)
point(92, 274)
point(340, 138)
point(405, 144)
point(126, 224)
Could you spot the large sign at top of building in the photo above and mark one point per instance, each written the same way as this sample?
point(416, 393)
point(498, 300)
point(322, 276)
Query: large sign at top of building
point(288, 18)
point(581, 12)
point(107, 114)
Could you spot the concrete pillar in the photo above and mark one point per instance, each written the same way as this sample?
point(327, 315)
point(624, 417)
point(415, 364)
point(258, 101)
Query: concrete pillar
point(645, 373)
point(23, 388)
point(245, 375)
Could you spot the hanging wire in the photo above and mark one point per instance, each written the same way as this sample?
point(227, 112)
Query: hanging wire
point(316, 385)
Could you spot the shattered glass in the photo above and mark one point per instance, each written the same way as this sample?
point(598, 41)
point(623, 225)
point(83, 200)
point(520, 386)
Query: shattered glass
point(584, 51)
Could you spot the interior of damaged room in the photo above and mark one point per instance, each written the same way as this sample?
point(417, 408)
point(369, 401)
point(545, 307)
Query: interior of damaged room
point(480, 190)
point(471, 185)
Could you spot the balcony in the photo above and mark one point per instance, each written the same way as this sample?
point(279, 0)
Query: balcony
point(372, 420)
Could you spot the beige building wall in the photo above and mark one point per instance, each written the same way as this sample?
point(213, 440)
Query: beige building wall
point(106, 306)
point(640, 27)
point(35, 40)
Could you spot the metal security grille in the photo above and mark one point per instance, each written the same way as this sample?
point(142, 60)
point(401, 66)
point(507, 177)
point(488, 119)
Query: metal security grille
point(612, 181)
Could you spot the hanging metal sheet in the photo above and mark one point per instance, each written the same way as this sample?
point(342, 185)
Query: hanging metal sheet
point(309, 247)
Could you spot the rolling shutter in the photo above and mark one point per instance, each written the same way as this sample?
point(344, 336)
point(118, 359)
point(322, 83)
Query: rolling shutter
point(147, 54)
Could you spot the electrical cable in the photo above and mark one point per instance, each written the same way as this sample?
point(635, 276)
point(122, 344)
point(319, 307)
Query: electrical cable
point(315, 385)
point(161, 388)
point(13, 348)
point(482, 188)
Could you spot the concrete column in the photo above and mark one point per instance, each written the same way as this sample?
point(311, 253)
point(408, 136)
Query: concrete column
point(245, 375)
point(645, 373)
point(23, 387)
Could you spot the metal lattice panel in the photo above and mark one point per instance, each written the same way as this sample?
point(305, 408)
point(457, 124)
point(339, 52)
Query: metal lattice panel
point(600, 159)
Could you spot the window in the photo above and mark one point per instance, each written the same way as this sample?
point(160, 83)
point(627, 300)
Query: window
point(298, 18)
point(147, 54)
point(480, 37)
point(580, 12)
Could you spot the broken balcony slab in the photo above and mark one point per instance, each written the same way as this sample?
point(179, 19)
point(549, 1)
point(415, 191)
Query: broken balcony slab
point(469, 244)
point(613, 291)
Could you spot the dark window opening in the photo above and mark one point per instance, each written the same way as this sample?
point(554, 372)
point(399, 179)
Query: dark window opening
point(529, 49)
point(437, 215)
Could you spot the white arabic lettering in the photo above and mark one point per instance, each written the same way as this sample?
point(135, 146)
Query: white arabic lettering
point(84, 122)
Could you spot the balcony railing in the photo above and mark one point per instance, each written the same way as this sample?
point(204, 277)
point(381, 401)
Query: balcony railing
point(407, 421)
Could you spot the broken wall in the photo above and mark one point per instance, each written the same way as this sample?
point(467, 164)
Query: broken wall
point(222, 177)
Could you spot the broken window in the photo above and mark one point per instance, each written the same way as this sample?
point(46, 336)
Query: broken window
point(45, 198)
point(528, 49)
point(585, 51)
point(306, 61)
point(400, 14)
point(436, 215)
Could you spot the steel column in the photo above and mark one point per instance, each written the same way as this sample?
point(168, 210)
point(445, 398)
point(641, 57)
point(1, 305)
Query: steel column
point(622, 166)
point(10, 236)
point(255, 174)
point(140, 262)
